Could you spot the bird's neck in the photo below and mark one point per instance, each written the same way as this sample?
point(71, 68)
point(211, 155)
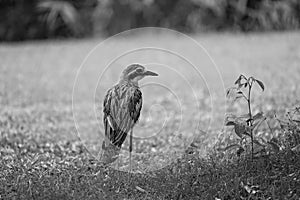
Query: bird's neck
point(130, 82)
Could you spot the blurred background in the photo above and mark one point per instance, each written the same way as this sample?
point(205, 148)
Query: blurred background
point(42, 19)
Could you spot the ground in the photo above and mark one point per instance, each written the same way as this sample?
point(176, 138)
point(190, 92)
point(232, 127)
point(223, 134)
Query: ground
point(44, 155)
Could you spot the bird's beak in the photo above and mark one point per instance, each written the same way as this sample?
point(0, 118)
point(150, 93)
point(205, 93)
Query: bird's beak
point(149, 73)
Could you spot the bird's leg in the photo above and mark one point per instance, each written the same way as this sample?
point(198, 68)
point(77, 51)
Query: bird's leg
point(105, 145)
point(130, 149)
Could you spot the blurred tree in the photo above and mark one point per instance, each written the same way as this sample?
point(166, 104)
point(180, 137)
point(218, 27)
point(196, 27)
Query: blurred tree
point(122, 17)
point(17, 19)
point(20, 19)
point(29, 19)
point(59, 17)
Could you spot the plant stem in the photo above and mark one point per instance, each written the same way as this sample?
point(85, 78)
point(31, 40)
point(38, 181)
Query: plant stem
point(250, 115)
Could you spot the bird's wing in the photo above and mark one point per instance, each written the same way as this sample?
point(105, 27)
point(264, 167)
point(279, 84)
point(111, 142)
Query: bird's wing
point(135, 105)
point(122, 106)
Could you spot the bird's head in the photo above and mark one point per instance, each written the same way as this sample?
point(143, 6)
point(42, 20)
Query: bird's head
point(136, 72)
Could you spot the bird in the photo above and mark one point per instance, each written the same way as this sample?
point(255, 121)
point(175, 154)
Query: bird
point(121, 111)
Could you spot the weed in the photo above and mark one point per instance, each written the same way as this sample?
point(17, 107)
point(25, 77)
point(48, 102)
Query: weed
point(245, 125)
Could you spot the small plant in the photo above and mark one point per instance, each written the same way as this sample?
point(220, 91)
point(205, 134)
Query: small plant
point(245, 125)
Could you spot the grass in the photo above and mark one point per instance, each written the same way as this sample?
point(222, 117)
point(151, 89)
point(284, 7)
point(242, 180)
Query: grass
point(42, 156)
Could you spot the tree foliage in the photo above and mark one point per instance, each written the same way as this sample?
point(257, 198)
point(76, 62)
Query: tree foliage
point(75, 18)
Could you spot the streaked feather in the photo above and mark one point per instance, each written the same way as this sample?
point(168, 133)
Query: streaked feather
point(122, 106)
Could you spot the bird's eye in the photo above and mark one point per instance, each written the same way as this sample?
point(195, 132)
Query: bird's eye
point(139, 70)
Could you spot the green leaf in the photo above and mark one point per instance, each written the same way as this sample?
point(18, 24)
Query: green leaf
point(260, 83)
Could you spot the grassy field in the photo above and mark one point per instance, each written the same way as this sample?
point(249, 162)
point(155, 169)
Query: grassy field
point(44, 156)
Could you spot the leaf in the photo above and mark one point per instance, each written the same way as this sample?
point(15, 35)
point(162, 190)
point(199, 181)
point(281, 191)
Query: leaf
point(250, 80)
point(238, 81)
point(230, 92)
point(260, 83)
point(258, 122)
point(237, 94)
point(258, 115)
point(244, 116)
point(243, 77)
point(237, 97)
point(230, 123)
point(240, 130)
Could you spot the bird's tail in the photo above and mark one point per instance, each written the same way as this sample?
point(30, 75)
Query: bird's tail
point(114, 138)
point(111, 149)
